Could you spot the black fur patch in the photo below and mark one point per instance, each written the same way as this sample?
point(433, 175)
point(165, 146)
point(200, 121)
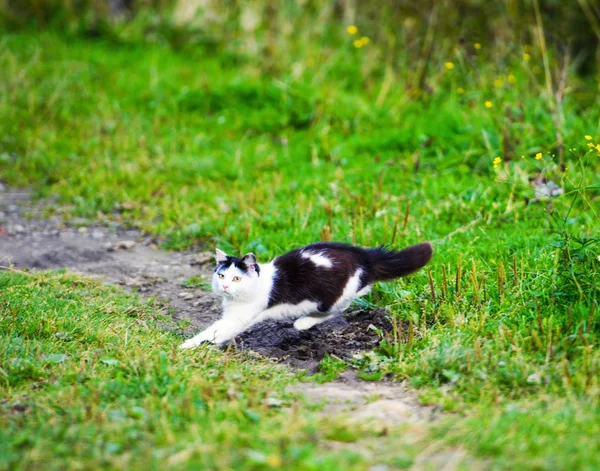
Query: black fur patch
point(236, 262)
point(299, 279)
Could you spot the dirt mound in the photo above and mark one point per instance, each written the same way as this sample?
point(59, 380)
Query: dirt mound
point(341, 336)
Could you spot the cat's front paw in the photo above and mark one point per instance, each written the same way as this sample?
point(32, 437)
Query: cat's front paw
point(193, 342)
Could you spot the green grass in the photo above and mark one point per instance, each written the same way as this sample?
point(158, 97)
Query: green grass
point(543, 433)
point(330, 368)
point(217, 149)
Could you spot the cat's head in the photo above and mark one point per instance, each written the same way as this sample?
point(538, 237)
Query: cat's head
point(235, 278)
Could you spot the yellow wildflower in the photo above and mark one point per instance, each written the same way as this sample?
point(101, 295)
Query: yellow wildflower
point(477, 46)
point(511, 78)
point(449, 65)
point(588, 138)
point(358, 43)
point(597, 147)
point(522, 156)
point(352, 30)
point(526, 56)
point(460, 91)
point(488, 104)
point(498, 83)
point(538, 156)
point(590, 144)
point(497, 162)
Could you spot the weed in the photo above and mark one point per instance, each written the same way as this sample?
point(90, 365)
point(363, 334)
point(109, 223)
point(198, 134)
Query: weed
point(330, 368)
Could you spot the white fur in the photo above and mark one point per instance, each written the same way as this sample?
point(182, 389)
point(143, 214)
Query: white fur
point(245, 304)
point(350, 292)
point(318, 259)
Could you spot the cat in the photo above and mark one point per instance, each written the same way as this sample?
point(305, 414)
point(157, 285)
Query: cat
point(310, 284)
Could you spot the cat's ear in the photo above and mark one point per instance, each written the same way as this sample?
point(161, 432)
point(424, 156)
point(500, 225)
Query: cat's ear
point(220, 256)
point(250, 261)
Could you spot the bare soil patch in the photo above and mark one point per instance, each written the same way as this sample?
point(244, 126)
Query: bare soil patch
point(340, 336)
point(110, 252)
point(382, 403)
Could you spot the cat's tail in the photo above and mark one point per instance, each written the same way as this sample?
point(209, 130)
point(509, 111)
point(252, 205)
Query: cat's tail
point(387, 264)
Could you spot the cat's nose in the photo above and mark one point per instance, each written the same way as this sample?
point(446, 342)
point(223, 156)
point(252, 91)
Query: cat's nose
point(225, 287)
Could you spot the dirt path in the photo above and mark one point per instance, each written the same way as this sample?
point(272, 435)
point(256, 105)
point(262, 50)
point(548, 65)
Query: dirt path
point(124, 257)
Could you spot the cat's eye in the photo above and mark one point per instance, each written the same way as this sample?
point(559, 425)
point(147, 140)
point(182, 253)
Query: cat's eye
point(221, 275)
point(237, 278)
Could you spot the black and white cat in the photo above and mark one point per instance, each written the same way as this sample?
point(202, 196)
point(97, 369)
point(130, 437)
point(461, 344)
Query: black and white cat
point(312, 284)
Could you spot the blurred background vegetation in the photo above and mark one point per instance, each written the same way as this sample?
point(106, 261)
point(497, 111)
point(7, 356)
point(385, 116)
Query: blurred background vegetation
point(411, 36)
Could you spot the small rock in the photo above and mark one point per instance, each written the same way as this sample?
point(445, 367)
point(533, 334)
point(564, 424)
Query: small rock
point(124, 244)
point(14, 229)
point(151, 241)
point(273, 402)
point(11, 208)
point(97, 234)
point(543, 190)
point(128, 205)
point(82, 230)
point(2, 187)
point(186, 295)
point(131, 282)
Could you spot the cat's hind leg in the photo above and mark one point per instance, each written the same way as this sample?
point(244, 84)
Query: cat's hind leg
point(337, 309)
